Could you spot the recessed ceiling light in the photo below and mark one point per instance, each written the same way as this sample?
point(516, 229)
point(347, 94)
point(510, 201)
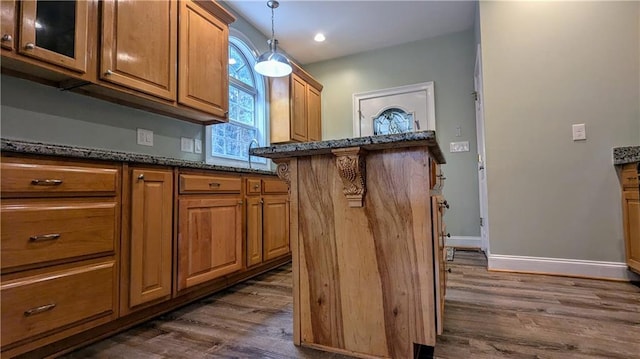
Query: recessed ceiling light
point(319, 37)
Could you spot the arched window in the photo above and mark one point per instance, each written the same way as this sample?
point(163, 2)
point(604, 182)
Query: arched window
point(229, 142)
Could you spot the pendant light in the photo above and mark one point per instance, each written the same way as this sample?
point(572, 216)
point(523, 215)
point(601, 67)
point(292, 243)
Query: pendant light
point(272, 63)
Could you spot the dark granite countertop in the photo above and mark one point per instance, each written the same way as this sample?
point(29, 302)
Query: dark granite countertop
point(20, 146)
point(409, 139)
point(624, 155)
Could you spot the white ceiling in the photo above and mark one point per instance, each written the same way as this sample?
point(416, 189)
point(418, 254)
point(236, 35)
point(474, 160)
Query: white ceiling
point(353, 26)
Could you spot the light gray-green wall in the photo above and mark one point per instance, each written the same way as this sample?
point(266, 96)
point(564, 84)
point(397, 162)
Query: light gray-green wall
point(35, 112)
point(446, 60)
point(546, 66)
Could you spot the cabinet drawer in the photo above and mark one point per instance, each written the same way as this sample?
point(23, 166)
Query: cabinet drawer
point(44, 179)
point(43, 231)
point(41, 303)
point(630, 176)
point(274, 186)
point(207, 184)
point(253, 186)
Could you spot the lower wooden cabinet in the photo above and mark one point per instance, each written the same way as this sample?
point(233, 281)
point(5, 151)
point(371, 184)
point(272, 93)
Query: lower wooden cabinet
point(89, 247)
point(438, 206)
point(631, 215)
point(267, 218)
point(148, 237)
point(209, 239)
point(50, 301)
point(254, 230)
point(275, 227)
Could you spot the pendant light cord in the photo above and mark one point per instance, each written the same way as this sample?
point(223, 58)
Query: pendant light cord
point(273, 32)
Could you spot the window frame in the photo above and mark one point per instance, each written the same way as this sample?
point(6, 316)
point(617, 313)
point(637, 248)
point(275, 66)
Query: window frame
point(250, 53)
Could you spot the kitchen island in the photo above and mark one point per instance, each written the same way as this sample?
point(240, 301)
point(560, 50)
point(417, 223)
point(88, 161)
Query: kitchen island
point(368, 278)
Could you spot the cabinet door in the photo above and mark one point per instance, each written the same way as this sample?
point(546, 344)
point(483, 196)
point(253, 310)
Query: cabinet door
point(7, 23)
point(151, 234)
point(298, 109)
point(314, 118)
point(438, 260)
point(631, 214)
point(254, 230)
point(203, 59)
point(55, 32)
point(209, 239)
point(139, 44)
point(275, 226)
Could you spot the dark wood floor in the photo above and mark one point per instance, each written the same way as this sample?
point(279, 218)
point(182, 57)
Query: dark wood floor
point(487, 315)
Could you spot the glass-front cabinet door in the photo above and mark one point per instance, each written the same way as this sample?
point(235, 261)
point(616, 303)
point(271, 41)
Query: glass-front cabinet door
point(55, 32)
point(7, 24)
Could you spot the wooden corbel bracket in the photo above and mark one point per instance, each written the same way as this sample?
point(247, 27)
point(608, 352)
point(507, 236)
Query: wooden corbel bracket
point(351, 167)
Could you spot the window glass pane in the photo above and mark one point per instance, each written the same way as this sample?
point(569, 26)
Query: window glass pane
point(245, 108)
point(393, 120)
point(239, 68)
point(232, 140)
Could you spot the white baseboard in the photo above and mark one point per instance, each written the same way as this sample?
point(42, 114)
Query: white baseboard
point(463, 241)
point(559, 266)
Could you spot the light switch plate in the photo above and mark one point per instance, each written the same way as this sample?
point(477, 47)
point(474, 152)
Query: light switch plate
point(579, 132)
point(198, 145)
point(186, 144)
point(145, 137)
point(459, 146)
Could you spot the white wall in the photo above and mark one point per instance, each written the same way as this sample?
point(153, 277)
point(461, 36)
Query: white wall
point(546, 66)
point(446, 60)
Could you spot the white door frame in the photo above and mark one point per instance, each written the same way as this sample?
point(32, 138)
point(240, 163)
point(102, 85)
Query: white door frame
point(482, 162)
point(424, 86)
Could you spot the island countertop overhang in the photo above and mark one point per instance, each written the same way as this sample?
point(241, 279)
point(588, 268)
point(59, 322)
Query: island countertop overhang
point(380, 142)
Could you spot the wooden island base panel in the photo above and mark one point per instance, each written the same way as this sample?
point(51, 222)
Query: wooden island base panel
point(366, 259)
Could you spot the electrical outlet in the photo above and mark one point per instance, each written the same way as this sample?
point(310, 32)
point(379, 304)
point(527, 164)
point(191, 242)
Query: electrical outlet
point(145, 137)
point(198, 145)
point(459, 146)
point(579, 132)
point(186, 144)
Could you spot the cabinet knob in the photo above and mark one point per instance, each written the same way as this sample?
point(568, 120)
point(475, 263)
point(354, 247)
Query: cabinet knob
point(256, 186)
point(7, 37)
point(108, 72)
point(261, 200)
point(141, 177)
point(240, 202)
point(30, 46)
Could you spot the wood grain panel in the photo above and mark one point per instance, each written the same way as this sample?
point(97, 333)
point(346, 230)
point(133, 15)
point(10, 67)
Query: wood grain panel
point(209, 184)
point(314, 114)
point(379, 301)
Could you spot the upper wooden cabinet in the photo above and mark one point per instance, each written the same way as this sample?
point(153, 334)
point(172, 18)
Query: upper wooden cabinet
point(203, 60)
point(169, 57)
point(139, 45)
point(296, 114)
point(7, 23)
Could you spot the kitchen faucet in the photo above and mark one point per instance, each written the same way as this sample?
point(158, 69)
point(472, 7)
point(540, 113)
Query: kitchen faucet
point(249, 150)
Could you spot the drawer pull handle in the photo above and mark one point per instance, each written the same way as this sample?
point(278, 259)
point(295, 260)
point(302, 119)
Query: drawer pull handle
point(45, 237)
point(38, 310)
point(632, 178)
point(47, 182)
point(214, 184)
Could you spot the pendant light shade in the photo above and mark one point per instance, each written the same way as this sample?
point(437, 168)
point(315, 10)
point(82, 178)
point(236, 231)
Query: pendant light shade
point(273, 63)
